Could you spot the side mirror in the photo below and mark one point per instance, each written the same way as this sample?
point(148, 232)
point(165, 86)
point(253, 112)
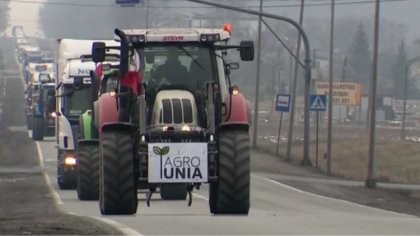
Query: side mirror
point(247, 50)
point(98, 52)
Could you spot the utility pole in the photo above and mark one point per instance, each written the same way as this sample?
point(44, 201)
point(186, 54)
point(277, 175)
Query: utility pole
point(371, 179)
point(343, 75)
point(330, 90)
point(293, 99)
point(404, 103)
point(257, 81)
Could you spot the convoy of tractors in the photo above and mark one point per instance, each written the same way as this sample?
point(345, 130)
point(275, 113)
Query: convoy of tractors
point(152, 111)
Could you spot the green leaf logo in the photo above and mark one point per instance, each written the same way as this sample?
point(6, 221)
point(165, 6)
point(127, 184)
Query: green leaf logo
point(157, 150)
point(165, 150)
point(161, 151)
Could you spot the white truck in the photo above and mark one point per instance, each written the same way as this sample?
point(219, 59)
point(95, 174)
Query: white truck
point(73, 93)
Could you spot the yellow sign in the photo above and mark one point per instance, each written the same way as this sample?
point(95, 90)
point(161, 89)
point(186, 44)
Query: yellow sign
point(343, 93)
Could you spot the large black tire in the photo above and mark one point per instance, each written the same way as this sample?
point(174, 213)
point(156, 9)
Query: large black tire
point(118, 183)
point(231, 193)
point(88, 171)
point(173, 191)
point(38, 128)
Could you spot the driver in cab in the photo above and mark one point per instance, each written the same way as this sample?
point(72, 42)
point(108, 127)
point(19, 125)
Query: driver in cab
point(172, 72)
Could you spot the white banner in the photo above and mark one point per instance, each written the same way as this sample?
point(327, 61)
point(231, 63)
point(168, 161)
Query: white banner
point(178, 162)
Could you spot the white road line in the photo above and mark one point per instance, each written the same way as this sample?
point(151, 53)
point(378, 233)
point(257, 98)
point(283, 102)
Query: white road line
point(326, 198)
point(201, 197)
point(59, 203)
point(57, 199)
point(124, 229)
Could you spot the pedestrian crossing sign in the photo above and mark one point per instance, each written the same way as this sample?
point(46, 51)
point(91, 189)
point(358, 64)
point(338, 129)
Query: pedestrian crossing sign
point(318, 102)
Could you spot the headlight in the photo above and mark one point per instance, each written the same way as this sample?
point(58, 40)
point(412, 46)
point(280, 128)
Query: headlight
point(186, 128)
point(70, 161)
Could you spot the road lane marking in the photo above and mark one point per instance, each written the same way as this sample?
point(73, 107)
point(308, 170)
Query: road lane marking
point(200, 196)
point(325, 197)
point(123, 228)
point(59, 203)
point(56, 196)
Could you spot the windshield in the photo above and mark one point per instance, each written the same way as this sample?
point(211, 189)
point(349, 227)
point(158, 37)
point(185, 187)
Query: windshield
point(76, 101)
point(188, 66)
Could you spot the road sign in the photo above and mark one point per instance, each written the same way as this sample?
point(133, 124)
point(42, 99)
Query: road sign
point(127, 2)
point(283, 102)
point(344, 93)
point(318, 102)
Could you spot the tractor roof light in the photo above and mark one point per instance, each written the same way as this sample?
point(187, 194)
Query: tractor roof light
point(210, 37)
point(136, 39)
point(227, 27)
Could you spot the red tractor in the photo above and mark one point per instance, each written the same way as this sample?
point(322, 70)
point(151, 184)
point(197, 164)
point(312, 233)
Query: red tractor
point(179, 121)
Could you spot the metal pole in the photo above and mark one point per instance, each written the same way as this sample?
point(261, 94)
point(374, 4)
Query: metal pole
point(293, 99)
point(317, 139)
point(404, 104)
point(330, 90)
point(257, 81)
point(307, 61)
point(290, 73)
point(278, 137)
point(371, 180)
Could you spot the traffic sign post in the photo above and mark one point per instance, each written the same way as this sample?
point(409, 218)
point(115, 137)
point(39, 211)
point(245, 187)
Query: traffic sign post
point(318, 103)
point(282, 105)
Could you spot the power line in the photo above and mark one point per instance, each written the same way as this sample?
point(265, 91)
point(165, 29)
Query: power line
point(342, 2)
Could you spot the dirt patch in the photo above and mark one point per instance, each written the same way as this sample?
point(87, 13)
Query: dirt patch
point(315, 181)
point(396, 161)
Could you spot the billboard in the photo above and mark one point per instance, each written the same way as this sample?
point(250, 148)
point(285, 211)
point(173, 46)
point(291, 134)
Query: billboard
point(344, 93)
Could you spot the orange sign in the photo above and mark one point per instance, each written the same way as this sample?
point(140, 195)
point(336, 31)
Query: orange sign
point(344, 93)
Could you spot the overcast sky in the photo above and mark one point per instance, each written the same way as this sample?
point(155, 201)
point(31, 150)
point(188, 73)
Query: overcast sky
point(404, 12)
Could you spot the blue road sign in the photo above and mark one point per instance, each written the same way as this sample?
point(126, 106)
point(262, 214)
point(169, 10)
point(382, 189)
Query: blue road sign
point(283, 102)
point(318, 102)
point(127, 2)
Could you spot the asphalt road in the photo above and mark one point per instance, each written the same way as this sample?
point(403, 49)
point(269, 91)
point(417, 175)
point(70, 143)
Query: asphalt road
point(26, 203)
point(275, 209)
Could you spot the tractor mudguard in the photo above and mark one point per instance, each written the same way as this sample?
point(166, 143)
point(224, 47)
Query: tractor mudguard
point(87, 124)
point(239, 113)
point(88, 141)
point(125, 126)
point(108, 112)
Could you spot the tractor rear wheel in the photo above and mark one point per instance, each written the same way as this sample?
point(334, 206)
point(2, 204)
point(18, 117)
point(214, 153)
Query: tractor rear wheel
point(117, 179)
point(231, 193)
point(173, 191)
point(88, 171)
